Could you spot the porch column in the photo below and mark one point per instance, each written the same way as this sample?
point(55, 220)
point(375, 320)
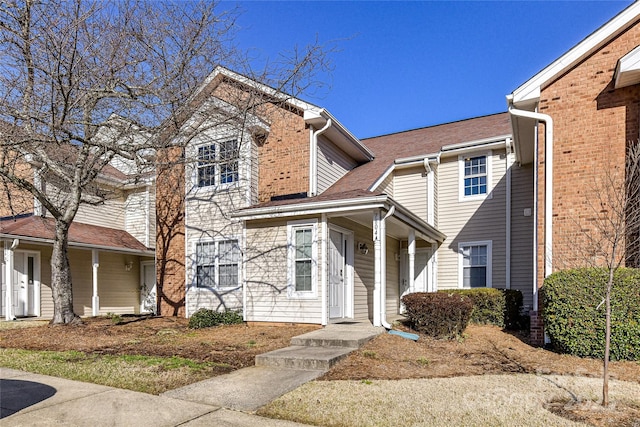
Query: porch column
point(95, 299)
point(433, 262)
point(377, 262)
point(9, 246)
point(412, 261)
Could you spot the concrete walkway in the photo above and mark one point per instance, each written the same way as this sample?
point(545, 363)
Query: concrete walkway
point(28, 399)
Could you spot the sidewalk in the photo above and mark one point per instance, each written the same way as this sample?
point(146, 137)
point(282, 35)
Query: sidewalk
point(28, 399)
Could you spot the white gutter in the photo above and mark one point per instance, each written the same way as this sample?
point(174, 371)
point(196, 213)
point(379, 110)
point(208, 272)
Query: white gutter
point(383, 268)
point(39, 240)
point(359, 203)
point(548, 189)
point(313, 158)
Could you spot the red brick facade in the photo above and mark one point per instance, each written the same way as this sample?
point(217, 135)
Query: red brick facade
point(593, 122)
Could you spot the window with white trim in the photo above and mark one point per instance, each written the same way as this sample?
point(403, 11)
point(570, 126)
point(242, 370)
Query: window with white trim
point(475, 176)
point(217, 264)
point(475, 264)
point(218, 163)
point(303, 259)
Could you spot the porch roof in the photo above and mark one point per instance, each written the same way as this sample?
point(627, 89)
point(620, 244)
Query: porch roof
point(348, 203)
point(36, 229)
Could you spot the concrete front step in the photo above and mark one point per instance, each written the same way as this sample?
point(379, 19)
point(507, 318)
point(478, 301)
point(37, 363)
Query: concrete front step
point(303, 357)
point(335, 336)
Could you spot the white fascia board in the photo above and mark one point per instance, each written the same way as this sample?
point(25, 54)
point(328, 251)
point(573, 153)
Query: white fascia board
point(528, 93)
point(417, 223)
point(380, 180)
point(319, 117)
point(220, 70)
point(402, 163)
point(311, 208)
point(486, 143)
point(41, 241)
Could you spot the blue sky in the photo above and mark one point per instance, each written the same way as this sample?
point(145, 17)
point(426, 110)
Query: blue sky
point(405, 65)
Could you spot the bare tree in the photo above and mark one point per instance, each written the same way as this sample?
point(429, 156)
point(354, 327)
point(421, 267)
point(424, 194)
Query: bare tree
point(85, 82)
point(607, 231)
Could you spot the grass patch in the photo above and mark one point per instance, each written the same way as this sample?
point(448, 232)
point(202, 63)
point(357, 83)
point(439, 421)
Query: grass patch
point(147, 374)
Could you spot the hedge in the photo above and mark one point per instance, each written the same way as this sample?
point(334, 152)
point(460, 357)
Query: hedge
point(439, 315)
point(492, 306)
point(205, 318)
point(573, 312)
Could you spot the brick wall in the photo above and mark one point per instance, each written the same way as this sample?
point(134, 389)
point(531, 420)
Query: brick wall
point(170, 238)
point(284, 156)
point(592, 124)
point(13, 200)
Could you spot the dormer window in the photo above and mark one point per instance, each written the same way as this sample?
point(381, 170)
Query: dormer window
point(218, 163)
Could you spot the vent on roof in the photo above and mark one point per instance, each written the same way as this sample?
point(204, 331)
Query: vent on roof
point(289, 196)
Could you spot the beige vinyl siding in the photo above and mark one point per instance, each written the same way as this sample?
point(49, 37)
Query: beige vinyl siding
point(386, 186)
point(363, 269)
point(393, 277)
point(410, 190)
point(266, 272)
point(522, 232)
point(137, 212)
point(333, 164)
point(471, 220)
point(118, 289)
point(109, 214)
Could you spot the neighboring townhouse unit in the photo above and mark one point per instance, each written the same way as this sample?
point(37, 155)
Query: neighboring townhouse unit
point(573, 122)
point(111, 249)
point(289, 217)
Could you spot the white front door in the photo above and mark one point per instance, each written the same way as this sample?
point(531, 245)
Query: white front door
point(148, 302)
point(337, 270)
point(25, 294)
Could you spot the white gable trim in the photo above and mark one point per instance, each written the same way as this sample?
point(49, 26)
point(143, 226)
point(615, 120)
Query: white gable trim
point(628, 69)
point(529, 92)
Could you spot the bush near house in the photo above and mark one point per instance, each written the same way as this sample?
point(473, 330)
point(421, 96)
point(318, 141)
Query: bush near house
point(440, 315)
point(574, 312)
point(205, 318)
point(500, 307)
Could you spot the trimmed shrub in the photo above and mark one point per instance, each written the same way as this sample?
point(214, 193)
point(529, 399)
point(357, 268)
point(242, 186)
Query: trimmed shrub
point(439, 315)
point(488, 305)
point(513, 318)
point(574, 312)
point(205, 318)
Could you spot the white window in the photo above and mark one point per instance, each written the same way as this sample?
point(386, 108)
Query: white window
point(218, 163)
point(217, 264)
point(475, 264)
point(302, 259)
point(475, 176)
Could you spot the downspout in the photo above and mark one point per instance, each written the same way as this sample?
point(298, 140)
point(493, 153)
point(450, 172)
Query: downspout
point(509, 163)
point(548, 193)
point(383, 268)
point(313, 159)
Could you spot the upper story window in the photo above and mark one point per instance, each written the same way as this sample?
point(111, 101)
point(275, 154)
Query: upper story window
point(303, 259)
point(475, 176)
point(218, 163)
point(475, 264)
point(217, 264)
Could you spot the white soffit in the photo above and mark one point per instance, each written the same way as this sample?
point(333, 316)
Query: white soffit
point(628, 69)
point(528, 93)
